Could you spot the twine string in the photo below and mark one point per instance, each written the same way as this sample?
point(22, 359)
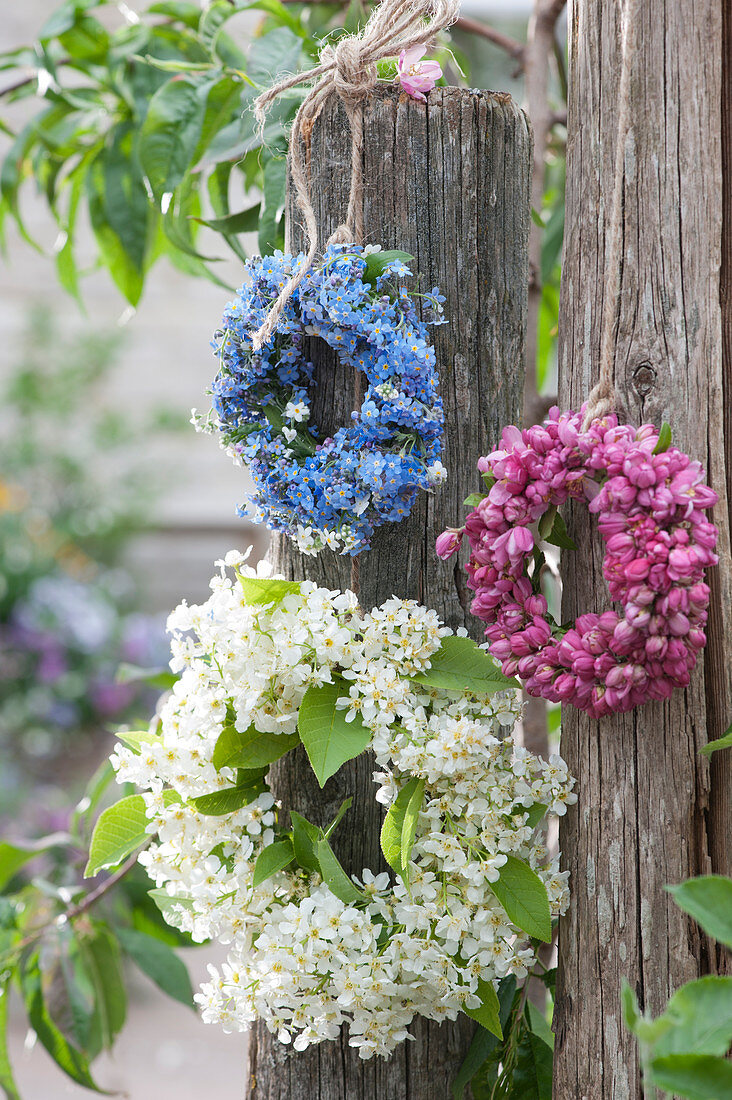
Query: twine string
point(347, 69)
point(601, 401)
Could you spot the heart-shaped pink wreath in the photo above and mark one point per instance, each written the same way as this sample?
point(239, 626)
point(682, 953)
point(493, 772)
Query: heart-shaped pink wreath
point(650, 500)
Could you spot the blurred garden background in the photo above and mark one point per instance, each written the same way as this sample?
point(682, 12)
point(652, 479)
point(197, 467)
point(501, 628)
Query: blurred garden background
point(112, 509)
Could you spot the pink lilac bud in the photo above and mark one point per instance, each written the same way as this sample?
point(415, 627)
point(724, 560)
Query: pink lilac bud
point(448, 543)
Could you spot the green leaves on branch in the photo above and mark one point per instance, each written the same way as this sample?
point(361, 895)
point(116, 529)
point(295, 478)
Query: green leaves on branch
point(137, 122)
point(328, 738)
point(460, 665)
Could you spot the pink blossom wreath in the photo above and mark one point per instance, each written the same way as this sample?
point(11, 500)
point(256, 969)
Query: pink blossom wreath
point(650, 500)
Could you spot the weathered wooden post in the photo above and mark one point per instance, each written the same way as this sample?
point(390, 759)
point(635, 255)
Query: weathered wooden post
point(651, 811)
point(449, 183)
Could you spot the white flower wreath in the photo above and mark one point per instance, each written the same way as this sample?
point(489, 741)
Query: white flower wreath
point(266, 664)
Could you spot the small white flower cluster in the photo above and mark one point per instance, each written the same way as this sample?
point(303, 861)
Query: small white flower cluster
point(300, 958)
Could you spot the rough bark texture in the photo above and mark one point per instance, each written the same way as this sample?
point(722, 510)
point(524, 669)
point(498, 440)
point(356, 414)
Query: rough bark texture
point(449, 183)
point(651, 811)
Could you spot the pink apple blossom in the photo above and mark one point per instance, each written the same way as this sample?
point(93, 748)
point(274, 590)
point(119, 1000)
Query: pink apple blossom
point(416, 76)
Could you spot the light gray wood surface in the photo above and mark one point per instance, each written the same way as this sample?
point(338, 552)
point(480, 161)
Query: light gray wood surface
point(448, 183)
point(651, 811)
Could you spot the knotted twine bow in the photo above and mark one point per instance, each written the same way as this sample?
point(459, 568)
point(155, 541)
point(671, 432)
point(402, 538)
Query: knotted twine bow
point(602, 397)
point(349, 69)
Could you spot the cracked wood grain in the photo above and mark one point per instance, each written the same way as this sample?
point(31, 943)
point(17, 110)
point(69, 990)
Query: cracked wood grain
point(651, 811)
point(449, 183)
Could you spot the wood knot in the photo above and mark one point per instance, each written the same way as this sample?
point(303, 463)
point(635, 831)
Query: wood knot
point(644, 379)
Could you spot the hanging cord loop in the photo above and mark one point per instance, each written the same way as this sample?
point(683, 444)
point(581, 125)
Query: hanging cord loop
point(347, 69)
point(602, 396)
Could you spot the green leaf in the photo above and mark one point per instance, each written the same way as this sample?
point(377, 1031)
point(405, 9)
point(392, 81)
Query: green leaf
point(67, 986)
point(229, 799)
point(488, 1013)
point(344, 806)
point(484, 1043)
point(263, 590)
point(474, 500)
point(333, 874)
point(305, 836)
point(538, 1024)
point(393, 828)
point(65, 260)
point(328, 738)
point(7, 1080)
point(86, 40)
point(103, 963)
point(551, 244)
point(245, 221)
point(724, 742)
point(160, 678)
point(275, 857)
point(16, 855)
point(460, 665)
point(159, 962)
point(693, 1076)
point(167, 904)
point(532, 1077)
point(377, 261)
point(631, 1010)
point(708, 900)
point(213, 20)
point(664, 439)
point(119, 830)
point(72, 1061)
point(187, 12)
point(700, 1015)
point(409, 824)
point(120, 212)
point(536, 813)
point(523, 895)
point(135, 739)
point(274, 190)
point(280, 12)
point(274, 53)
point(546, 522)
point(558, 535)
point(166, 66)
point(171, 131)
point(251, 749)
